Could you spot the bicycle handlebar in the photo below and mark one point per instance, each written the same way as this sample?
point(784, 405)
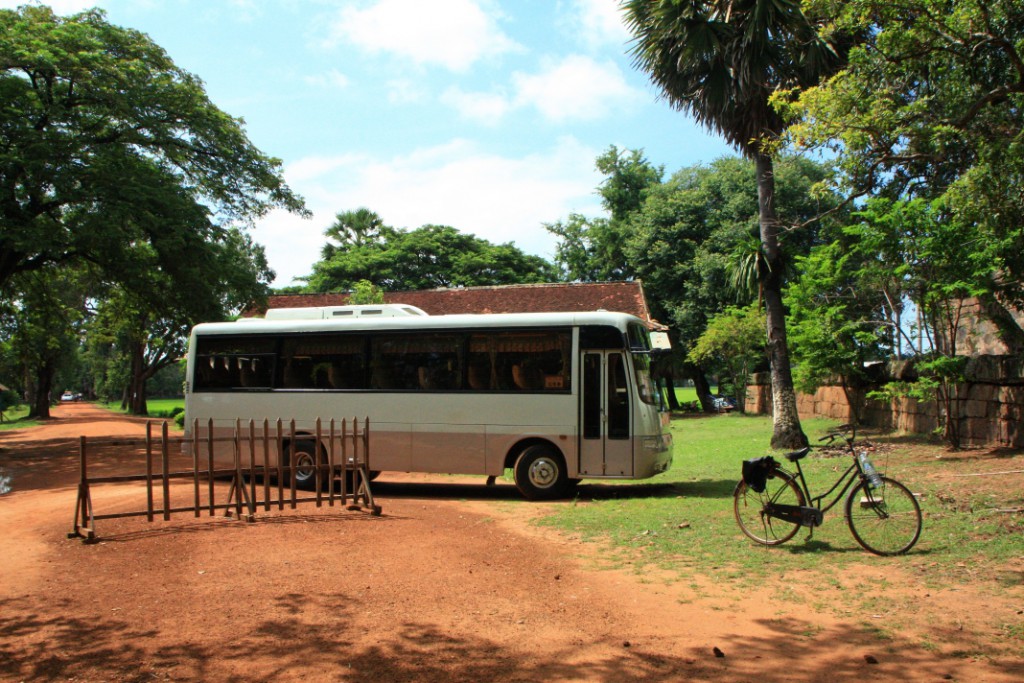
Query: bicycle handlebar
point(847, 432)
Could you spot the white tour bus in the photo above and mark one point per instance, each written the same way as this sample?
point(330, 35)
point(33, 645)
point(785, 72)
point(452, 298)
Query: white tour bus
point(555, 397)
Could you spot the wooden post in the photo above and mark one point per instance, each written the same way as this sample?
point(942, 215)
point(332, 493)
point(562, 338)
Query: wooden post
point(252, 467)
point(331, 472)
point(280, 466)
point(149, 471)
point(344, 462)
point(166, 470)
point(266, 465)
point(209, 465)
point(318, 476)
point(197, 512)
point(291, 461)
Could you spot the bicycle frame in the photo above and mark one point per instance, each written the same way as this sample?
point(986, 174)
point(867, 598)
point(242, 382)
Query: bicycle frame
point(844, 477)
point(800, 516)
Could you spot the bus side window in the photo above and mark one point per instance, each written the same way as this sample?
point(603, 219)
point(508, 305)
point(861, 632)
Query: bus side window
point(298, 374)
point(479, 372)
point(534, 361)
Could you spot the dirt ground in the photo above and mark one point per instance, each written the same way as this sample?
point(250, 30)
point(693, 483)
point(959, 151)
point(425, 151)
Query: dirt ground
point(450, 583)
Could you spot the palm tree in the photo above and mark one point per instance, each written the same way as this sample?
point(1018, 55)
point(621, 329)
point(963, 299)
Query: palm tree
point(721, 61)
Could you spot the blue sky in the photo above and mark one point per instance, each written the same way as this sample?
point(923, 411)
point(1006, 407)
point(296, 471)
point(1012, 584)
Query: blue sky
point(486, 115)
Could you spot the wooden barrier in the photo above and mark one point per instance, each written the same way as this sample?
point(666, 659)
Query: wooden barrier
point(343, 455)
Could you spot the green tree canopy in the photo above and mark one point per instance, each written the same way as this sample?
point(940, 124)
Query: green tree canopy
point(102, 135)
point(692, 233)
point(732, 345)
point(722, 61)
point(593, 249)
point(43, 329)
point(428, 257)
point(927, 121)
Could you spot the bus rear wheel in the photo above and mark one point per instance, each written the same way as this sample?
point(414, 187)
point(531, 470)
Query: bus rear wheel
point(540, 473)
point(305, 455)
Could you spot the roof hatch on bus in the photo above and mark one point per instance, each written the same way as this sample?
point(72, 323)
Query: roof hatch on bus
point(341, 312)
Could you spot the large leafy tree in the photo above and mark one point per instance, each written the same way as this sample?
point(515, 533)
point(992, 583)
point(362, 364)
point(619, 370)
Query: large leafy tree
point(43, 329)
point(721, 61)
point(931, 107)
point(593, 249)
point(732, 344)
point(432, 256)
point(694, 232)
point(928, 121)
point(98, 126)
point(113, 157)
point(842, 319)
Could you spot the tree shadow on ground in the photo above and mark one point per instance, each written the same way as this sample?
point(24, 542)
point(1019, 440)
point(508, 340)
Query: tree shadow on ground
point(585, 491)
point(338, 637)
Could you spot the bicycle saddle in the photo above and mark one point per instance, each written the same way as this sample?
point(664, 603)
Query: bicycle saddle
point(796, 455)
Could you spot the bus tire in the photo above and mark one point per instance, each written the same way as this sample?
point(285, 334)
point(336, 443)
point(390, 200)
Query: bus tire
point(306, 459)
point(540, 473)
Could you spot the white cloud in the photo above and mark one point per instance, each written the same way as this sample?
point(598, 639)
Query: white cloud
point(486, 108)
point(406, 91)
point(329, 79)
point(450, 33)
point(575, 88)
point(598, 23)
point(498, 198)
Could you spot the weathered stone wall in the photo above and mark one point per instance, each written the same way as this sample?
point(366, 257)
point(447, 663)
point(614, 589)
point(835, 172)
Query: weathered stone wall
point(991, 409)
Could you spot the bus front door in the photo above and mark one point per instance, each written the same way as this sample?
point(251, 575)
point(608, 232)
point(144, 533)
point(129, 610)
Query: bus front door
point(606, 446)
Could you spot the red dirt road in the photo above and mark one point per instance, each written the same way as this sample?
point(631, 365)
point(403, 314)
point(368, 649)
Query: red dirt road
point(449, 584)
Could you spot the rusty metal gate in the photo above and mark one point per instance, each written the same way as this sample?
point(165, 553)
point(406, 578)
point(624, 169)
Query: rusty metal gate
point(342, 471)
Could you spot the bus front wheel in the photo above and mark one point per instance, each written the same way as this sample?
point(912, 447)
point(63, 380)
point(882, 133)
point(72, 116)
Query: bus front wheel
point(540, 473)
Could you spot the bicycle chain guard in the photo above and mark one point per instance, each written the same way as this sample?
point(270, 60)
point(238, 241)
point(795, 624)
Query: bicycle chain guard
point(804, 515)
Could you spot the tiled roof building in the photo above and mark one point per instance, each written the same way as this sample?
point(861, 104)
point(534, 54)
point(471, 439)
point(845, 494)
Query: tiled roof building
point(623, 297)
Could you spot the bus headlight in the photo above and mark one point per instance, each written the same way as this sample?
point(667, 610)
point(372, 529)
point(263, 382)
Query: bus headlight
point(653, 443)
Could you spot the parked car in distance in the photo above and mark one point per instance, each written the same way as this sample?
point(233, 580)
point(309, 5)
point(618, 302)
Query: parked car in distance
point(68, 397)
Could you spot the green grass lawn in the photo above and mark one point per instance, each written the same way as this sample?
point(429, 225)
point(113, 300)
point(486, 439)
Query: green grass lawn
point(163, 407)
point(14, 418)
point(689, 394)
point(157, 407)
point(679, 527)
point(683, 520)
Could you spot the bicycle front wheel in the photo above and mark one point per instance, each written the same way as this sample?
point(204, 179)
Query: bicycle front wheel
point(884, 520)
point(752, 509)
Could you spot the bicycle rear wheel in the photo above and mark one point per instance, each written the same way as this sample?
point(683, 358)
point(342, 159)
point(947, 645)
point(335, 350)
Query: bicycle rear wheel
point(749, 506)
point(884, 520)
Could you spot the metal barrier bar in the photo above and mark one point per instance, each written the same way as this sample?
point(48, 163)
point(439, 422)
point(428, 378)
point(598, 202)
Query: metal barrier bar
point(352, 469)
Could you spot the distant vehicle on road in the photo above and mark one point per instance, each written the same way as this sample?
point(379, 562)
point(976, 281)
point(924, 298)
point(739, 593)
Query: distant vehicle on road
point(70, 397)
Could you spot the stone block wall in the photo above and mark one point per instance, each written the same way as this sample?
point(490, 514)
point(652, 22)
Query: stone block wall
point(991, 412)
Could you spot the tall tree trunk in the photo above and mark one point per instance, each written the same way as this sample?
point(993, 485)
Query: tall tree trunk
point(673, 400)
point(40, 406)
point(787, 432)
point(137, 398)
point(703, 387)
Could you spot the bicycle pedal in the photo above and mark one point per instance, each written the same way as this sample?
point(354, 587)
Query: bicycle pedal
point(811, 517)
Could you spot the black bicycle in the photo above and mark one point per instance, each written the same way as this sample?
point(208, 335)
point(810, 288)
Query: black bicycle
point(771, 503)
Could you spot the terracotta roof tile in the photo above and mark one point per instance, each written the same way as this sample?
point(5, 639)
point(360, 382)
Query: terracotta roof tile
point(624, 297)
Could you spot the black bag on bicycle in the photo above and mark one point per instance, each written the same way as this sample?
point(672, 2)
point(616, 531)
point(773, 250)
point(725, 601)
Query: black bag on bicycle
point(758, 471)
